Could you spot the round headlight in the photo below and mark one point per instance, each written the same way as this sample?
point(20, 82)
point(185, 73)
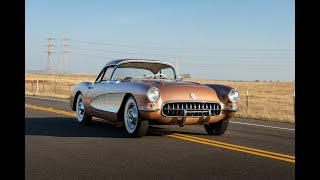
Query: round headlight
point(153, 94)
point(234, 95)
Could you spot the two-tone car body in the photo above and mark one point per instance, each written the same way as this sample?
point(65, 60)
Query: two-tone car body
point(139, 92)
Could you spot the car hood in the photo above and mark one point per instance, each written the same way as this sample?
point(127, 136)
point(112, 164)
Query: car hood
point(182, 90)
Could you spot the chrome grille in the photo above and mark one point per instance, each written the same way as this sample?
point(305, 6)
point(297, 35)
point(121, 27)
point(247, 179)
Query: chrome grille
point(194, 109)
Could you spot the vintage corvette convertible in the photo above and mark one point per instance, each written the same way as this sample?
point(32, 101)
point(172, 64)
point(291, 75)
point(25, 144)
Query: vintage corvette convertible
point(139, 92)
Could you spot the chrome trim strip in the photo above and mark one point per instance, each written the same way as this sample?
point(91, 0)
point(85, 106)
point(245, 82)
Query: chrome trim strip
point(148, 109)
point(230, 109)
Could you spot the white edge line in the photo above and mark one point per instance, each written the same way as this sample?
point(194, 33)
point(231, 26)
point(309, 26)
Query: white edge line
point(262, 126)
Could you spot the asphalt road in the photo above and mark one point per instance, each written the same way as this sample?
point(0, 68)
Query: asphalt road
point(56, 147)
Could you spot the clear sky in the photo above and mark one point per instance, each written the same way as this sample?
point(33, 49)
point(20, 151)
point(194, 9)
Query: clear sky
point(212, 39)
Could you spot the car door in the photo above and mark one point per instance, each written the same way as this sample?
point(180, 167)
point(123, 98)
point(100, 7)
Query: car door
point(97, 91)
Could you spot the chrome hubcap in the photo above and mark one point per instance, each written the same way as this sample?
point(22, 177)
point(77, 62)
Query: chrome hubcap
point(80, 108)
point(132, 116)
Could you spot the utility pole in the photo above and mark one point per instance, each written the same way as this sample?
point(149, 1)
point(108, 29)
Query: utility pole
point(64, 65)
point(177, 65)
point(49, 65)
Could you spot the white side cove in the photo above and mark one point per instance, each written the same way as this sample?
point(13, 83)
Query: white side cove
point(108, 102)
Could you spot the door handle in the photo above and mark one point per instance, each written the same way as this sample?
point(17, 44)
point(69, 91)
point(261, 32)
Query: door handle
point(90, 87)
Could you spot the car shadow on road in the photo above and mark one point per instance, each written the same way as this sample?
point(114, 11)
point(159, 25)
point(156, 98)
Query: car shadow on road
point(69, 127)
point(170, 131)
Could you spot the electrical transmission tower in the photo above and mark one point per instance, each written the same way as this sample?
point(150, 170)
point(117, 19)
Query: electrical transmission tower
point(64, 65)
point(49, 65)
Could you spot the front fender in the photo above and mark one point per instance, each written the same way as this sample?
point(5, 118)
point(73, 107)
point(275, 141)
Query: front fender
point(80, 87)
point(222, 93)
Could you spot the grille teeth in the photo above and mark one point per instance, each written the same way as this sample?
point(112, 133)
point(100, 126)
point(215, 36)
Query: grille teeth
point(195, 109)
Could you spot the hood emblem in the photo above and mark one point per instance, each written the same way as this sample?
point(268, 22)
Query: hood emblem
point(193, 96)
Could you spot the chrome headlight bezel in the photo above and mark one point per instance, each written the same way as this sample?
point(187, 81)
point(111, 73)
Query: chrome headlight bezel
point(234, 96)
point(153, 94)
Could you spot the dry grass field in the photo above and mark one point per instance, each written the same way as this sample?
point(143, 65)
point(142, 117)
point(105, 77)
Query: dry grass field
point(266, 100)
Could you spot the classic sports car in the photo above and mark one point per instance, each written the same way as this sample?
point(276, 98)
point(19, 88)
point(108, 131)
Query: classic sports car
point(139, 92)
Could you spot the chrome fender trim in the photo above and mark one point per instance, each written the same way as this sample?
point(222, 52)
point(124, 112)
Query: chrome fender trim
point(148, 109)
point(231, 110)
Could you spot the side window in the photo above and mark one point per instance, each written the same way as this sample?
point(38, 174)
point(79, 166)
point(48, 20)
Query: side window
point(107, 75)
point(100, 76)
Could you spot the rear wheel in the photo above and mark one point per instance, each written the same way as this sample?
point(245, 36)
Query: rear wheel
point(82, 116)
point(135, 126)
point(217, 128)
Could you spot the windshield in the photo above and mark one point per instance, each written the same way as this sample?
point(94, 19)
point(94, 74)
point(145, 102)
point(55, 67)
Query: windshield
point(126, 73)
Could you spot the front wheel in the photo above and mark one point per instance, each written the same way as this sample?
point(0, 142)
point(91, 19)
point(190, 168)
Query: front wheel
point(217, 128)
point(135, 126)
point(82, 116)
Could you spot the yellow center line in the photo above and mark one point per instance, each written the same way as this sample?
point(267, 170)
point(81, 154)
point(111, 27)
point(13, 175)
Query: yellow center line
point(234, 147)
point(50, 110)
point(227, 147)
point(207, 142)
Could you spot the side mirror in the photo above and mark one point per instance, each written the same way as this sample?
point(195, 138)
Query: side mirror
point(180, 78)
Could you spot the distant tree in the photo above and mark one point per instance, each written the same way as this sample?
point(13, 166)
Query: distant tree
point(257, 81)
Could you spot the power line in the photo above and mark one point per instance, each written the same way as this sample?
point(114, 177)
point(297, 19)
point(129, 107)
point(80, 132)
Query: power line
point(246, 66)
point(182, 48)
point(183, 57)
point(260, 58)
point(251, 57)
point(186, 56)
point(91, 55)
point(264, 64)
point(235, 60)
point(125, 52)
